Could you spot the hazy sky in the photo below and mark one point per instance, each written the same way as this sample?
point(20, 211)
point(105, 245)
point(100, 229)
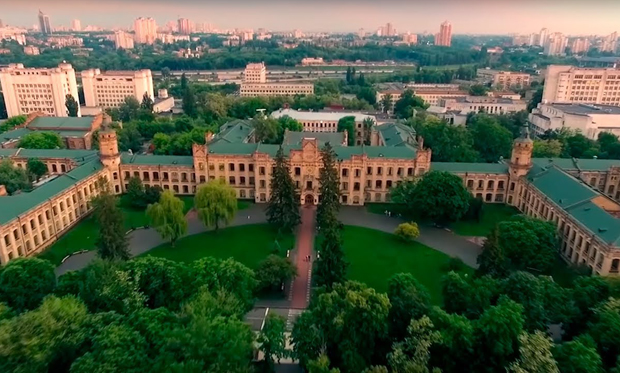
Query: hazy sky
point(466, 16)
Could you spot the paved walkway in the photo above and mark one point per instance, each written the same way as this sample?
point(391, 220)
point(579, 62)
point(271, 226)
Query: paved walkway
point(303, 251)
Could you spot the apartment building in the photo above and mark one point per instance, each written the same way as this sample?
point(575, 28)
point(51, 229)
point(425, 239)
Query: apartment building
point(570, 84)
point(255, 84)
point(503, 79)
point(145, 30)
point(556, 45)
point(109, 89)
point(444, 36)
point(123, 40)
point(431, 94)
point(28, 90)
point(474, 104)
point(588, 119)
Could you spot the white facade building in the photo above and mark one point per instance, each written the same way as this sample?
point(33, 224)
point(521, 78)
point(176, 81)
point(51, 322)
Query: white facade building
point(566, 84)
point(109, 89)
point(145, 30)
point(123, 40)
point(255, 84)
point(590, 120)
point(27, 90)
point(255, 73)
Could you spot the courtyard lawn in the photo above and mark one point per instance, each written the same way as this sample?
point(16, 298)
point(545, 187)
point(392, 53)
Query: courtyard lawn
point(81, 237)
point(136, 218)
point(375, 256)
point(491, 215)
point(248, 244)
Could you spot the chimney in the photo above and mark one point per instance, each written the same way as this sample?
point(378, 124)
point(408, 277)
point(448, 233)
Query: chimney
point(3, 191)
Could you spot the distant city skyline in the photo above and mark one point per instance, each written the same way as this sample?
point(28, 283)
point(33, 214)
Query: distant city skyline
point(472, 16)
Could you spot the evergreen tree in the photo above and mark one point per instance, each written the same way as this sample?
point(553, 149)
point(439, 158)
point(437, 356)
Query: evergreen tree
point(72, 106)
point(331, 267)
point(189, 103)
point(112, 242)
point(330, 187)
point(283, 208)
point(147, 102)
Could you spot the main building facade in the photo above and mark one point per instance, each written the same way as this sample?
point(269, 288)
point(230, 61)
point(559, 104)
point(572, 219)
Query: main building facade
point(587, 218)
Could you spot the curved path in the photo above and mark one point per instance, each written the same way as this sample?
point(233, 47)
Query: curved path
point(142, 240)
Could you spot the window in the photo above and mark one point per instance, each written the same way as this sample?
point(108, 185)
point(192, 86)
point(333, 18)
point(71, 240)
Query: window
point(356, 186)
point(261, 183)
point(242, 167)
point(221, 167)
point(231, 167)
point(242, 180)
point(500, 185)
point(345, 172)
point(211, 167)
point(297, 171)
point(54, 168)
point(231, 180)
point(203, 179)
point(261, 171)
point(308, 184)
point(410, 171)
point(379, 170)
point(251, 168)
point(368, 170)
point(378, 184)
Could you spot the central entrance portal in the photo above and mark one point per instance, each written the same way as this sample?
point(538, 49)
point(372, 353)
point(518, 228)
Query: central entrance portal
point(309, 199)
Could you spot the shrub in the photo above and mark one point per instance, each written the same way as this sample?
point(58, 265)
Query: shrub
point(407, 231)
point(454, 264)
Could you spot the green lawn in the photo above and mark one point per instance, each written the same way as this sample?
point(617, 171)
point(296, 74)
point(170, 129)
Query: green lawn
point(491, 215)
point(375, 256)
point(379, 208)
point(248, 244)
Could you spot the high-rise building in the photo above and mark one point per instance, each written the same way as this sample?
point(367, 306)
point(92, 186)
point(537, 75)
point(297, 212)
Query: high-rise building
point(389, 30)
point(410, 39)
point(444, 37)
point(76, 25)
point(542, 37)
point(28, 90)
point(556, 44)
point(123, 40)
point(610, 43)
point(1, 24)
point(185, 26)
point(566, 84)
point(110, 88)
point(580, 45)
point(145, 30)
point(45, 25)
point(361, 33)
point(255, 73)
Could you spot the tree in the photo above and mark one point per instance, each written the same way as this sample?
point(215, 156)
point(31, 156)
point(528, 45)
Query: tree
point(407, 231)
point(135, 191)
point(287, 123)
point(413, 354)
point(547, 149)
point(535, 354)
point(367, 126)
point(129, 109)
point(42, 140)
point(189, 102)
point(272, 340)
point(321, 365)
point(24, 282)
point(216, 203)
point(491, 140)
point(283, 208)
point(112, 242)
point(403, 108)
point(266, 129)
point(578, 356)
point(386, 102)
point(348, 124)
point(605, 330)
point(46, 339)
point(36, 168)
point(72, 105)
point(409, 301)
point(536, 99)
point(579, 146)
point(367, 94)
point(147, 103)
point(273, 271)
point(167, 217)
point(440, 197)
point(329, 187)
point(449, 143)
point(13, 178)
point(478, 90)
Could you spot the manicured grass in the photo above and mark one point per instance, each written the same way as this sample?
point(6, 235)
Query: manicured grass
point(81, 237)
point(379, 208)
point(248, 244)
point(136, 218)
point(243, 204)
point(491, 215)
point(375, 256)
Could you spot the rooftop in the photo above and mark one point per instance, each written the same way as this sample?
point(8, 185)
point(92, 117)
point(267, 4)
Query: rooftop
point(78, 155)
point(319, 116)
point(66, 123)
point(578, 164)
point(236, 131)
point(585, 109)
point(397, 134)
point(15, 205)
point(476, 168)
point(295, 138)
point(156, 160)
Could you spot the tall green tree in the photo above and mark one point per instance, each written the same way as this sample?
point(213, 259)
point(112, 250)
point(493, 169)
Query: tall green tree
point(189, 105)
point(409, 301)
point(478, 90)
point(578, 356)
point(36, 168)
point(272, 340)
point(535, 354)
point(274, 271)
point(413, 354)
point(24, 282)
point(147, 102)
point(42, 140)
point(13, 178)
point(283, 208)
point(404, 106)
point(348, 124)
point(367, 126)
point(386, 103)
point(216, 203)
point(547, 149)
point(112, 242)
point(449, 143)
point(129, 109)
point(72, 105)
point(331, 266)
point(491, 140)
point(329, 187)
point(167, 217)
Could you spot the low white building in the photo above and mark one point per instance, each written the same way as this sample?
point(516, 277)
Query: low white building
point(474, 104)
point(588, 119)
point(110, 88)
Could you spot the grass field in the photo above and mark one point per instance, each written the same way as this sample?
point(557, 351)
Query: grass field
point(491, 215)
point(248, 244)
point(376, 256)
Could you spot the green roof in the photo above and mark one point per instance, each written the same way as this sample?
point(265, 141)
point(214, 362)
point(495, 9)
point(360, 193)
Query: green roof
point(578, 164)
point(62, 123)
point(16, 205)
point(78, 155)
point(475, 168)
point(295, 138)
point(182, 160)
point(236, 131)
point(14, 134)
point(397, 134)
point(575, 197)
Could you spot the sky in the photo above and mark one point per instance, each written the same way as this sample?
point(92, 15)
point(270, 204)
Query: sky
point(573, 17)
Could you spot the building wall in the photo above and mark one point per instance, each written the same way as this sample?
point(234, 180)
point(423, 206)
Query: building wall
point(28, 90)
point(549, 117)
point(111, 88)
point(275, 89)
point(565, 84)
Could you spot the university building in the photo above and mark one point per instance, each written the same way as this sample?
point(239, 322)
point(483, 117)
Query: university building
point(255, 84)
point(577, 195)
point(110, 88)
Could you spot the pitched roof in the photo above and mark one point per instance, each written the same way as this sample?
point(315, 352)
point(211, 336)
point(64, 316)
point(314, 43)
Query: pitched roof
point(77, 155)
point(236, 131)
point(476, 168)
point(577, 199)
point(14, 134)
point(578, 164)
point(397, 134)
point(15, 205)
point(156, 160)
point(62, 123)
point(295, 138)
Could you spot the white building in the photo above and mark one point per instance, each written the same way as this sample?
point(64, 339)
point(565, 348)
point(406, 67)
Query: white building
point(255, 73)
point(474, 104)
point(13, 33)
point(255, 84)
point(123, 40)
point(556, 44)
point(145, 30)
point(110, 88)
point(590, 120)
point(76, 25)
point(27, 90)
point(566, 84)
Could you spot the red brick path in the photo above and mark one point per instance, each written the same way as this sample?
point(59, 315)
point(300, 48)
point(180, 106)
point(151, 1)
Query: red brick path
point(305, 241)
